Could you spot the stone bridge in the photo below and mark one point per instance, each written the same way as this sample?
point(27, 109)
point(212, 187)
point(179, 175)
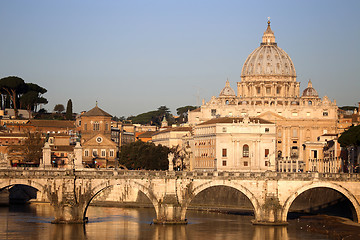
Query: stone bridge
point(70, 191)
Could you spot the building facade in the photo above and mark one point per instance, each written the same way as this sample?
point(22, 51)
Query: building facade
point(234, 144)
point(268, 90)
point(98, 148)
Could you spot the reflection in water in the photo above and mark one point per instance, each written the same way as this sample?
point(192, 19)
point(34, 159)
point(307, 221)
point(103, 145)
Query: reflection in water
point(33, 222)
point(270, 233)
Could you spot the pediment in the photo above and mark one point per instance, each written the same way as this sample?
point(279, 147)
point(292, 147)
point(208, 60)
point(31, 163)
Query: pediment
point(271, 116)
point(99, 140)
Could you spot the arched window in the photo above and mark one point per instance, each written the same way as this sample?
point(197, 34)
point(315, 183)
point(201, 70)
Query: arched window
point(310, 103)
point(246, 150)
point(96, 126)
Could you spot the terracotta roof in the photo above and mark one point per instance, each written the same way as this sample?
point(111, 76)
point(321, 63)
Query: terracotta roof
point(175, 129)
point(67, 148)
point(234, 119)
point(52, 123)
point(12, 135)
point(147, 134)
point(96, 111)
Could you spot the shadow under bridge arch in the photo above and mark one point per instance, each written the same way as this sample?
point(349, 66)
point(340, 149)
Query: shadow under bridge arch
point(22, 191)
point(143, 190)
point(214, 195)
point(331, 195)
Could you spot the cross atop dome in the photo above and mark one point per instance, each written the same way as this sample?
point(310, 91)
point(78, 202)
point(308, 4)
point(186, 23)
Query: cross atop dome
point(268, 37)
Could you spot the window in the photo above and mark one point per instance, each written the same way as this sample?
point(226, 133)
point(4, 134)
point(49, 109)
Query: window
point(268, 90)
point(278, 90)
point(325, 114)
point(95, 153)
point(224, 152)
point(224, 129)
point(62, 154)
point(266, 163)
point(246, 150)
point(85, 126)
point(111, 153)
point(267, 153)
point(213, 112)
point(103, 153)
point(308, 114)
point(294, 133)
point(309, 103)
point(86, 153)
point(96, 126)
point(314, 153)
point(224, 163)
point(258, 90)
point(267, 130)
point(106, 126)
point(246, 164)
point(294, 114)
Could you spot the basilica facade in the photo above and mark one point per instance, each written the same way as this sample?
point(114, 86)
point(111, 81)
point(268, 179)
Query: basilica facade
point(269, 90)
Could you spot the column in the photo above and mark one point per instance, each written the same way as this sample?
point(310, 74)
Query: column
point(283, 139)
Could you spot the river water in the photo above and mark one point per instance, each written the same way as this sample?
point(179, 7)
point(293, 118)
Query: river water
point(33, 222)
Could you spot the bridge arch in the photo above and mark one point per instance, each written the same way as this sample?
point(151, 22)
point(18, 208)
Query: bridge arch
point(105, 185)
point(192, 194)
point(41, 189)
point(27, 182)
point(333, 186)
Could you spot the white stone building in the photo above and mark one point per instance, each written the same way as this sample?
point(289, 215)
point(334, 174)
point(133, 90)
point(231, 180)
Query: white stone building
point(268, 89)
point(171, 137)
point(228, 144)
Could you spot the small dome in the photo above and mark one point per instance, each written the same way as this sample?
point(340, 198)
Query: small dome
point(310, 91)
point(268, 59)
point(227, 90)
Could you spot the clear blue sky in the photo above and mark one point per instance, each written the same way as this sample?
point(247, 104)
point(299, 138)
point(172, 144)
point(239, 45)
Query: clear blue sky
point(134, 56)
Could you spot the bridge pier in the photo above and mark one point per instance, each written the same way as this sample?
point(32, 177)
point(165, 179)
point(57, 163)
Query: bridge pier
point(67, 213)
point(169, 211)
point(270, 213)
point(68, 200)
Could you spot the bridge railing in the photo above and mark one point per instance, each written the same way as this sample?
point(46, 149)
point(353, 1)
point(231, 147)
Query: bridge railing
point(141, 174)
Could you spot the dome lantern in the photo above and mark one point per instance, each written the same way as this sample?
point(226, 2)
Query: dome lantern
point(268, 37)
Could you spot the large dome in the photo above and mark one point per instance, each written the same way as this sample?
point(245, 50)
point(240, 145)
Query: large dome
point(268, 59)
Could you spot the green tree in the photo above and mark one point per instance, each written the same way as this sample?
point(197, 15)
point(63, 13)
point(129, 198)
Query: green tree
point(13, 86)
point(146, 156)
point(351, 137)
point(153, 117)
point(69, 110)
point(32, 97)
point(350, 141)
point(59, 108)
point(29, 150)
point(182, 112)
